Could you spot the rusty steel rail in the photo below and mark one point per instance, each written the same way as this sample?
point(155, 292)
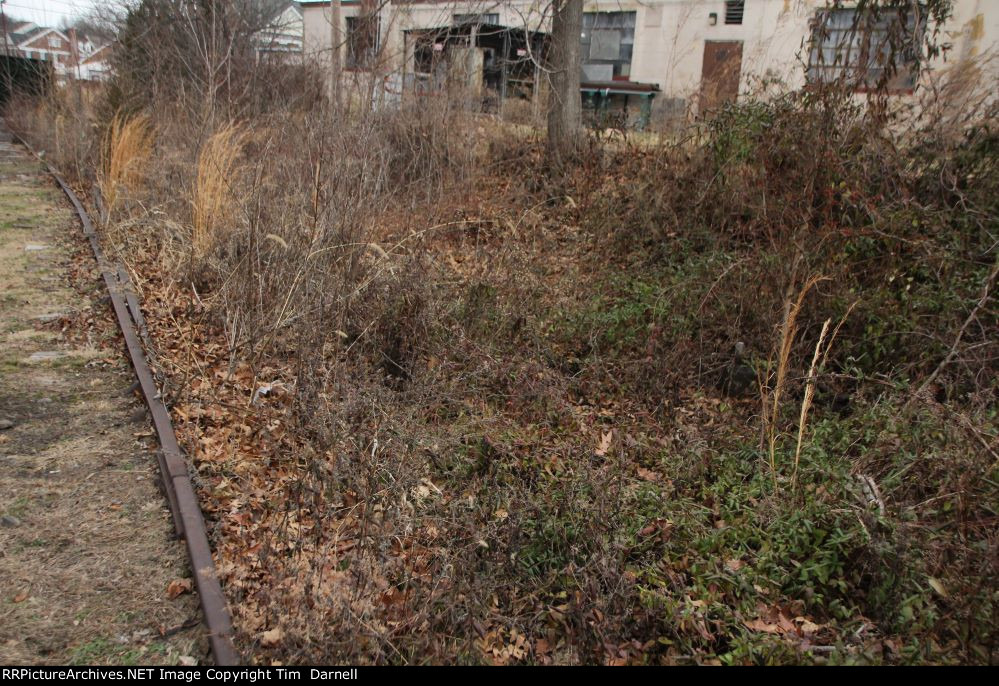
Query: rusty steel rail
point(188, 519)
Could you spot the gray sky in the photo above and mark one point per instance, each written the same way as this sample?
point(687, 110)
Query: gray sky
point(48, 12)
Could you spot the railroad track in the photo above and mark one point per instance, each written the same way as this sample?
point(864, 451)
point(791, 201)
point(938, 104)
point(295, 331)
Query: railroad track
point(189, 523)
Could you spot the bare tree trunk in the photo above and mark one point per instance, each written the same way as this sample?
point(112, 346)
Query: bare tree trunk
point(369, 44)
point(336, 40)
point(565, 110)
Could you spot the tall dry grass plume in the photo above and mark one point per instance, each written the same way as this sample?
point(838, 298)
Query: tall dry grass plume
point(214, 197)
point(127, 148)
point(806, 401)
point(818, 362)
point(771, 395)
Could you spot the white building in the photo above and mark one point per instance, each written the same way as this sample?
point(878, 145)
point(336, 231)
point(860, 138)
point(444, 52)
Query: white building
point(284, 35)
point(96, 65)
point(695, 52)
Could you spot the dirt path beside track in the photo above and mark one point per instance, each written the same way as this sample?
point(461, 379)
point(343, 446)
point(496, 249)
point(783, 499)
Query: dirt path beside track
point(86, 548)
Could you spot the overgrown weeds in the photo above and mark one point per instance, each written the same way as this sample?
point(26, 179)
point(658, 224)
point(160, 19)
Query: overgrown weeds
point(124, 155)
point(452, 414)
point(216, 188)
point(63, 125)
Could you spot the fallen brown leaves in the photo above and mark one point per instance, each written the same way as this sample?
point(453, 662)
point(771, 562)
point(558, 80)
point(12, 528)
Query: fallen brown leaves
point(782, 621)
point(284, 538)
point(178, 587)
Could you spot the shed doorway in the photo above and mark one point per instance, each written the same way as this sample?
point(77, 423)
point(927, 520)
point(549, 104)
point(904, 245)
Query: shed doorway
point(720, 73)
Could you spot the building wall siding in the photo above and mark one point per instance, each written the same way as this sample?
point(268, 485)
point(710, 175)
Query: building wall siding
point(670, 35)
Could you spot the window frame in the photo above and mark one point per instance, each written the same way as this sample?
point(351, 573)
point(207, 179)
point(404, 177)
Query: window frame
point(862, 41)
point(353, 26)
point(611, 21)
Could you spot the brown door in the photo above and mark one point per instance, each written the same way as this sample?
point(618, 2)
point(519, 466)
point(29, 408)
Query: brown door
point(720, 73)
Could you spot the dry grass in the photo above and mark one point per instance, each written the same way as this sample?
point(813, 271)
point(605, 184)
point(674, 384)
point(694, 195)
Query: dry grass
point(61, 126)
point(806, 402)
point(772, 395)
point(214, 196)
point(127, 148)
point(819, 359)
point(404, 424)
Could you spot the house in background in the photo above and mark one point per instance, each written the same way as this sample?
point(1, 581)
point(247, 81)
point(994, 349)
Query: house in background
point(706, 52)
point(41, 43)
point(284, 34)
point(692, 55)
point(96, 66)
point(72, 55)
point(492, 50)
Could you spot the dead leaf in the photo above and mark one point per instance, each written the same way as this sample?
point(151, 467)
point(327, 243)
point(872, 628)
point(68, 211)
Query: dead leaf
point(784, 623)
point(760, 625)
point(937, 586)
point(271, 637)
point(178, 587)
point(605, 443)
point(542, 647)
point(663, 526)
point(648, 475)
point(808, 627)
point(734, 565)
point(772, 620)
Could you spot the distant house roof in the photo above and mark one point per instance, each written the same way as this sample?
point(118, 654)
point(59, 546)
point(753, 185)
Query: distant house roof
point(25, 32)
point(98, 55)
point(285, 32)
point(40, 32)
point(284, 7)
point(282, 14)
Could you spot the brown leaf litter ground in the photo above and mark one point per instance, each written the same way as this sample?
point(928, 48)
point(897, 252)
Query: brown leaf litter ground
point(86, 547)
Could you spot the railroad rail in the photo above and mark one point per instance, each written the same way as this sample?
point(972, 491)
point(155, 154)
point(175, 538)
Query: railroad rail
point(189, 523)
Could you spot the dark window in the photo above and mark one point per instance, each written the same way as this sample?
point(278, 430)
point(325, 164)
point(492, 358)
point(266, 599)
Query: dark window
point(865, 49)
point(362, 41)
point(425, 52)
point(607, 42)
point(734, 10)
point(486, 18)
